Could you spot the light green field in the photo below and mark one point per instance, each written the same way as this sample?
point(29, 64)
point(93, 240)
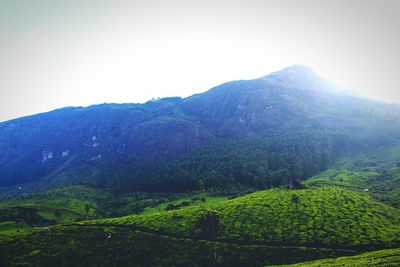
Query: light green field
point(73, 198)
point(194, 200)
point(321, 216)
point(376, 173)
point(11, 228)
point(382, 258)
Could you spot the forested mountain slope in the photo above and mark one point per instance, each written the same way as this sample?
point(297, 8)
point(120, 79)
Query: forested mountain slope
point(257, 133)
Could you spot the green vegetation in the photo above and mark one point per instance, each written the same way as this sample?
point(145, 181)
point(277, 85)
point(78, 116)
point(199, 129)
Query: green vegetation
point(89, 246)
point(76, 203)
point(277, 226)
point(172, 182)
point(376, 173)
point(382, 258)
point(11, 228)
point(333, 216)
point(258, 161)
point(66, 205)
point(73, 198)
point(322, 216)
point(192, 199)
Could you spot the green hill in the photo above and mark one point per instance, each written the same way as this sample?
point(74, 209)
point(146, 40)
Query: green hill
point(65, 205)
point(327, 217)
point(73, 198)
point(277, 226)
point(382, 258)
point(89, 246)
point(77, 203)
point(374, 172)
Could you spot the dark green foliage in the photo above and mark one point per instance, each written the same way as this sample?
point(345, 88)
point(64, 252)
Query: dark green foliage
point(88, 246)
point(26, 215)
point(208, 225)
point(87, 208)
point(173, 207)
point(200, 185)
point(295, 199)
point(257, 161)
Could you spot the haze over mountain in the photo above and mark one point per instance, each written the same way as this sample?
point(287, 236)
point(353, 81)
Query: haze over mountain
point(292, 117)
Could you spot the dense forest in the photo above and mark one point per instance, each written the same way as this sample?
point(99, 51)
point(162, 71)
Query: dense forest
point(257, 133)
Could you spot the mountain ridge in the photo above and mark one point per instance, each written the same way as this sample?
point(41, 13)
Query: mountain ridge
point(56, 144)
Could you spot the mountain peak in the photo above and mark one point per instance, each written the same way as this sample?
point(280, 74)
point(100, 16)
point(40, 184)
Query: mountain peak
point(298, 68)
point(298, 72)
point(303, 77)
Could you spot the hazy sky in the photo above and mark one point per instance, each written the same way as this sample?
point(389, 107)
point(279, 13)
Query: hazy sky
point(72, 53)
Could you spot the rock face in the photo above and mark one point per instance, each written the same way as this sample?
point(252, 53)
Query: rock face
point(167, 129)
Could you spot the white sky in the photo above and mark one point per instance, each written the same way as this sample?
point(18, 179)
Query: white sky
point(78, 52)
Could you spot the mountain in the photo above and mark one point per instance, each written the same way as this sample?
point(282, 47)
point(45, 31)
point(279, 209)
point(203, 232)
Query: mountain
point(203, 180)
point(291, 97)
point(291, 123)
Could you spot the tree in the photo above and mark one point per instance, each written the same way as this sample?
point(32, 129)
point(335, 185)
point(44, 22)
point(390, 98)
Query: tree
point(57, 214)
point(295, 198)
point(87, 209)
point(208, 225)
point(200, 185)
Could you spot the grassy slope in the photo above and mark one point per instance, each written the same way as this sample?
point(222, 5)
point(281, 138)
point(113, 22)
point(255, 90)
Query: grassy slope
point(65, 205)
point(88, 246)
point(193, 200)
point(318, 216)
point(73, 198)
point(387, 258)
point(278, 226)
point(376, 173)
point(11, 228)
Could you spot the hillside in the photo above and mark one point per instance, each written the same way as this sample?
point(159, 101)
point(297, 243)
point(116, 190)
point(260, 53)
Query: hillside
point(65, 205)
point(298, 122)
point(76, 203)
point(268, 227)
point(83, 246)
point(322, 216)
point(374, 172)
point(384, 258)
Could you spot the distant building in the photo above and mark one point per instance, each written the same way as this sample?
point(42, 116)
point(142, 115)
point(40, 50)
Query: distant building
point(296, 184)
